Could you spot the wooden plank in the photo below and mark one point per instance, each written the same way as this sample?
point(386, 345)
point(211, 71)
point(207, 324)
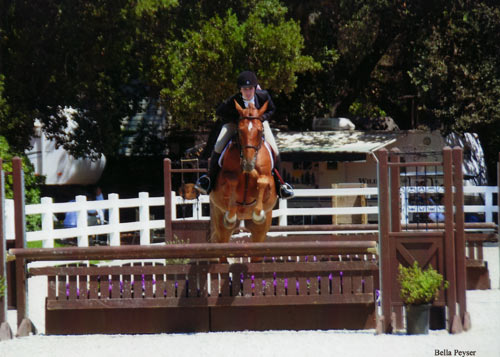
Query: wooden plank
point(104, 286)
point(83, 287)
point(194, 250)
point(303, 286)
point(148, 283)
point(224, 283)
point(160, 285)
point(336, 283)
point(237, 279)
point(203, 280)
point(211, 301)
point(346, 282)
point(368, 286)
point(357, 283)
point(137, 287)
point(72, 287)
point(93, 287)
point(213, 268)
point(51, 288)
point(115, 286)
point(280, 283)
point(192, 282)
point(171, 285)
point(126, 283)
point(61, 287)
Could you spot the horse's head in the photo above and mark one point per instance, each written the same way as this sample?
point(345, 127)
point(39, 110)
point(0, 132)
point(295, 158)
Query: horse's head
point(250, 134)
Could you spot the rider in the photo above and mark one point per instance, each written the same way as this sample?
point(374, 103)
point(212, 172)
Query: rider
point(249, 92)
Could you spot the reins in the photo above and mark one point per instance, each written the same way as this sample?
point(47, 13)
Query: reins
point(256, 148)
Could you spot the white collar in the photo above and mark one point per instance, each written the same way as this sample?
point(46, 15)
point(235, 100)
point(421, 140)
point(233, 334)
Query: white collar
point(249, 101)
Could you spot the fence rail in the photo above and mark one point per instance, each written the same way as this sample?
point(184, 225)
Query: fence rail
point(307, 203)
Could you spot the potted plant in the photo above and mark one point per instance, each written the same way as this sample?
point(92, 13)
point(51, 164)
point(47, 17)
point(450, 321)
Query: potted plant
point(419, 289)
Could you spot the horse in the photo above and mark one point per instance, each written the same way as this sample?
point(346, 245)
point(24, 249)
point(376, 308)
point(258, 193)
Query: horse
point(245, 188)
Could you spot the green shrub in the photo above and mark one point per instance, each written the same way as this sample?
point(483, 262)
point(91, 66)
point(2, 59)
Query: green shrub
point(32, 182)
point(420, 286)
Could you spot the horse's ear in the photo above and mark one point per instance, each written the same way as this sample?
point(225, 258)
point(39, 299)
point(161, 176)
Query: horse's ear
point(263, 109)
point(238, 108)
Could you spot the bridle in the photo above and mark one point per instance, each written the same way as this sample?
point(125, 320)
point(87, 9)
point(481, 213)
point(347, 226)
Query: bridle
point(256, 148)
point(252, 162)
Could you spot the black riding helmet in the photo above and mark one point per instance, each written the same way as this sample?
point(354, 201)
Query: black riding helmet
point(247, 79)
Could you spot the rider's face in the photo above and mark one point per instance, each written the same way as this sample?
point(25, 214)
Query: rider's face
point(247, 92)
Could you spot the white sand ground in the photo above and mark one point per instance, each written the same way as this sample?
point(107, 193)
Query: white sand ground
point(483, 339)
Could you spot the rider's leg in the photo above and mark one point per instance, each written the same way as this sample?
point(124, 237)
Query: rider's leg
point(206, 182)
point(285, 190)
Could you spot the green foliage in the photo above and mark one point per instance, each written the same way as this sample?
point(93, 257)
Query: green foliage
point(457, 72)
point(199, 70)
point(362, 110)
point(419, 286)
point(437, 60)
point(32, 182)
point(3, 286)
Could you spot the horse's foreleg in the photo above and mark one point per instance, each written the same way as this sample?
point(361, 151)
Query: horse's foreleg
point(258, 215)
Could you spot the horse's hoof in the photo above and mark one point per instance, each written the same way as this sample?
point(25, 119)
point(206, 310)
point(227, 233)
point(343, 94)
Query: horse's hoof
point(229, 222)
point(258, 218)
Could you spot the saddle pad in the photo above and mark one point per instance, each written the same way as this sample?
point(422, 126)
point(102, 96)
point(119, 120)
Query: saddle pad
point(266, 145)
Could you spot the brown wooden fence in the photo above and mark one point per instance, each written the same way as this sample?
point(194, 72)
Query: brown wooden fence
point(313, 282)
point(327, 289)
point(442, 246)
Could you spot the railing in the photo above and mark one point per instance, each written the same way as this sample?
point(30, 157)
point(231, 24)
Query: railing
point(311, 204)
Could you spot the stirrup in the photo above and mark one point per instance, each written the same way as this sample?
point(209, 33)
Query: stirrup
point(203, 185)
point(286, 191)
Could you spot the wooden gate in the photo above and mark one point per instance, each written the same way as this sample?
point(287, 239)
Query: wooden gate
point(436, 239)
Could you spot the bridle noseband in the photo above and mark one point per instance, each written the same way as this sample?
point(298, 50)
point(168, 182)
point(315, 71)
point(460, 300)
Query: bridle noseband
point(256, 148)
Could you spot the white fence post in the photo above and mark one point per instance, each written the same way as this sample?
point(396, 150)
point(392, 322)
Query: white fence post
point(9, 219)
point(283, 218)
point(144, 218)
point(81, 221)
point(47, 222)
point(488, 205)
point(114, 220)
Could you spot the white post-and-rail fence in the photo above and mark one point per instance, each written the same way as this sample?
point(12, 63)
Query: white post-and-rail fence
point(307, 202)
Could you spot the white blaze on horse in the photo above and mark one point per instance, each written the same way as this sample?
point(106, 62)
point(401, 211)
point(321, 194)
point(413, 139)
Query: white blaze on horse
point(244, 188)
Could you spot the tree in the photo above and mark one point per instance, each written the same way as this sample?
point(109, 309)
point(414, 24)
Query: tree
point(80, 54)
point(457, 73)
point(198, 70)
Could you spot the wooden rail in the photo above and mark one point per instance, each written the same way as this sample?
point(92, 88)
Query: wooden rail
point(195, 250)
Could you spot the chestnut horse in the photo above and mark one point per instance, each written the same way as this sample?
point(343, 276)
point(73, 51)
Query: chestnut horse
point(245, 188)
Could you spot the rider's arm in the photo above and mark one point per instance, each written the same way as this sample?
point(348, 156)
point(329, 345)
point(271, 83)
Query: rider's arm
point(271, 108)
point(227, 111)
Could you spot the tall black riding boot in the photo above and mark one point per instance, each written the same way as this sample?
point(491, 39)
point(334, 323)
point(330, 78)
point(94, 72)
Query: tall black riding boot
point(284, 190)
point(206, 183)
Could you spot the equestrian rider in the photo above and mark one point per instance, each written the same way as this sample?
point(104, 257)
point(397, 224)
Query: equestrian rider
point(249, 93)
